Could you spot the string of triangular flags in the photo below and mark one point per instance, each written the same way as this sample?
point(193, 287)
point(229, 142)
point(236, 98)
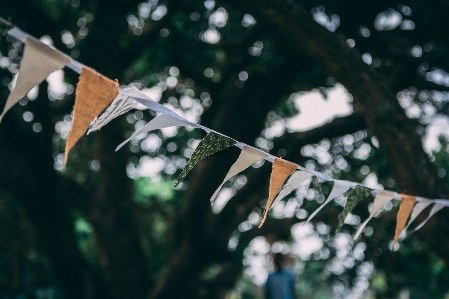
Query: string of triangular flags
point(98, 100)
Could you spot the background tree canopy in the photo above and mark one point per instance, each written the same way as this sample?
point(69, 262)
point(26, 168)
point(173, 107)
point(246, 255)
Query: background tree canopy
point(110, 225)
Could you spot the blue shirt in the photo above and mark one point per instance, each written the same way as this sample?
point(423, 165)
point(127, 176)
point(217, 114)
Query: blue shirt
point(280, 285)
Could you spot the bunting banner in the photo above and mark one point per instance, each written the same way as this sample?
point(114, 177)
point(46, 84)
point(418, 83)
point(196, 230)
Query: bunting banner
point(99, 100)
point(293, 182)
point(435, 209)
point(357, 195)
point(94, 93)
point(417, 209)
point(404, 212)
point(248, 156)
point(382, 198)
point(38, 62)
point(156, 107)
point(159, 122)
point(211, 144)
point(339, 188)
point(280, 172)
point(120, 105)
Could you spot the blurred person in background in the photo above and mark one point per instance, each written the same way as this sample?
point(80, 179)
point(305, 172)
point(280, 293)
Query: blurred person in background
point(280, 283)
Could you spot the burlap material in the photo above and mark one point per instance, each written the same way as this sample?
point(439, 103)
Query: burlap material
point(94, 93)
point(407, 204)
point(39, 61)
point(279, 173)
point(120, 105)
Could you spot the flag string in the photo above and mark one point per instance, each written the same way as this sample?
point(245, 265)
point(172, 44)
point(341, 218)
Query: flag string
point(22, 36)
point(77, 66)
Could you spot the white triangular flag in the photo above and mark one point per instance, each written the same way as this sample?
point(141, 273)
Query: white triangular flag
point(39, 61)
point(155, 106)
point(293, 182)
point(417, 209)
point(248, 156)
point(159, 122)
point(120, 105)
point(437, 207)
point(339, 188)
point(381, 199)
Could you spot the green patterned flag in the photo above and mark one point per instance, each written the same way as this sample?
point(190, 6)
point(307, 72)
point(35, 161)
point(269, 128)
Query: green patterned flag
point(356, 196)
point(211, 144)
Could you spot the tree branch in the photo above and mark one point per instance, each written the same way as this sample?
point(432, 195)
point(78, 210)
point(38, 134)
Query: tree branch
point(293, 142)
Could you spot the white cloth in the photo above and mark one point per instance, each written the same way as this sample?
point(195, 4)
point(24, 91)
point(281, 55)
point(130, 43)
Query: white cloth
point(417, 209)
point(120, 105)
point(339, 188)
point(381, 199)
point(39, 61)
point(436, 208)
point(295, 180)
point(159, 122)
point(248, 156)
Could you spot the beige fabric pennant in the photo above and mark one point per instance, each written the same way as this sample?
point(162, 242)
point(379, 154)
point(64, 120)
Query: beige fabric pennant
point(159, 122)
point(94, 93)
point(382, 198)
point(404, 212)
point(281, 170)
point(435, 209)
point(338, 188)
point(248, 156)
point(39, 61)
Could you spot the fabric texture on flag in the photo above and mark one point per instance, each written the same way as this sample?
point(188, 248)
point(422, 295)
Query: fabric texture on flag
point(436, 208)
point(417, 209)
point(404, 212)
point(339, 188)
point(120, 105)
point(382, 198)
point(281, 170)
point(247, 157)
point(295, 180)
point(159, 122)
point(38, 62)
point(211, 144)
point(360, 193)
point(94, 93)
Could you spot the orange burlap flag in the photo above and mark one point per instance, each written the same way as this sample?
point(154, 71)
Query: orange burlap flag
point(279, 173)
point(404, 212)
point(94, 93)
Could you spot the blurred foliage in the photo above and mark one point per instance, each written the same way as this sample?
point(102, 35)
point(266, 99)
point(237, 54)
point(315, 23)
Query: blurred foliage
point(189, 62)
